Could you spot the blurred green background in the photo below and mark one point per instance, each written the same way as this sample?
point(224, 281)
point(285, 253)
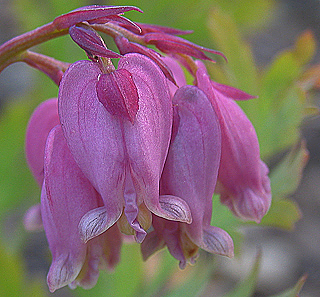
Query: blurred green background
point(286, 93)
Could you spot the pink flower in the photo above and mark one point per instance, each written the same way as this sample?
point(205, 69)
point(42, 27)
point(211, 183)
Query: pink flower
point(190, 173)
point(135, 149)
point(243, 181)
point(130, 108)
point(66, 196)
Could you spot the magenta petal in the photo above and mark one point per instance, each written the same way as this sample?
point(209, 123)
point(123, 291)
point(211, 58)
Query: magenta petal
point(66, 191)
point(87, 125)
point(103, 253)
point(43, 119)
point(122, 21)
point(130, 47)
point(174, 44)
point(243, 181)
point(176, 70)
point(150, 28)
point(171, 235)
point(151, 244)
point(118, 94)
point(148, 139)
point(193, 160)
point(131, 209)
point(88, 13)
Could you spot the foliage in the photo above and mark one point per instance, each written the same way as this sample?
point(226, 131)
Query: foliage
point(279, 110)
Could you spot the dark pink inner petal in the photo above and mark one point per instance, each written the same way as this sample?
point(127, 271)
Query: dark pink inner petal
point(118, 94)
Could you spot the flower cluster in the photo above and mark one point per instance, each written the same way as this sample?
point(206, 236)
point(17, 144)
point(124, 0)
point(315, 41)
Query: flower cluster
point(135, 150)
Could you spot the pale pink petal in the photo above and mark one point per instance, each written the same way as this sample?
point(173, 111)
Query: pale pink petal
point(43, 119)
point(32, 218)
point(66, 196)
point(93, 136)
point(243, 181)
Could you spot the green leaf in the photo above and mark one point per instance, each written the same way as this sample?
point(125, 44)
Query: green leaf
point(284, 119)
point(305, 47)
point(282, 214)
point(293, 292)
point(247, 287)
point(240, 71)
point(11, 272)
point(286, 177)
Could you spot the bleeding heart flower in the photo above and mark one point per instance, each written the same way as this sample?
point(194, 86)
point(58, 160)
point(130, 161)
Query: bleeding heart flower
point(190, 173)
point(243, 181)
point(118, 126)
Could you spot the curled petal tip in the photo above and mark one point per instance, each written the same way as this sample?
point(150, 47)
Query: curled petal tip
point(62, 272)
point(251, 206)
point(217, 241)
point(97, 221)
point(175, 209)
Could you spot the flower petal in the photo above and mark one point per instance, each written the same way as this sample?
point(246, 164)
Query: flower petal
point(148, 139)
point(32, 219)
point(43, 119)
point(174, 208)
point(103, 253)
point(89, 40)
point(87, 125)
point(118, 94)
point(243, 181)
point(126, 47)
point(151, 244)
point(66, 191)
point(217, 241)
point(193, 160)
point(96, 221)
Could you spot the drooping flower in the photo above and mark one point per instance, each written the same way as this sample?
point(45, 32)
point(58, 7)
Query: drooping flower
point(134, 147)
point(132, 109)
point(190, 173)
point(66, 196)
point(43, 119)
point(243, 181)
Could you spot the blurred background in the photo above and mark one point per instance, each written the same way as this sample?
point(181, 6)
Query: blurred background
point(257, 37)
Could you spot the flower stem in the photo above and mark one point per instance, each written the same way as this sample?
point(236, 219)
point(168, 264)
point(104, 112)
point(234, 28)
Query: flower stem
point(50, 66)
point(12, 49)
